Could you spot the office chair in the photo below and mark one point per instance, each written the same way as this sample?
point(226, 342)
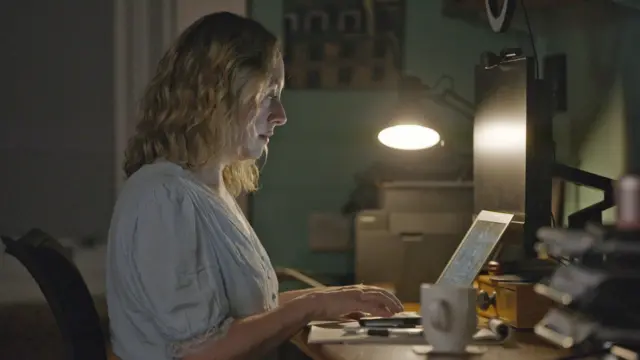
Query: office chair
point(71, 302)
point(65, 291)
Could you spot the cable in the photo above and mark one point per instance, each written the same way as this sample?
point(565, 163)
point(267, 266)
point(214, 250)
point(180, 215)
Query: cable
point(531, 38)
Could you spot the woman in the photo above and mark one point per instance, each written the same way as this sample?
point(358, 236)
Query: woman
point(187, 278)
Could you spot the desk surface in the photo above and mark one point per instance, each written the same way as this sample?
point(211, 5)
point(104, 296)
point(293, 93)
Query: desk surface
point(527, 346)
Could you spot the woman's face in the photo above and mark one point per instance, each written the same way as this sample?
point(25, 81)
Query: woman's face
point(269, 115)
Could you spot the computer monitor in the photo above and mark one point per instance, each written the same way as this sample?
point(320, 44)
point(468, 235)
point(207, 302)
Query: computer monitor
point(475, 249)
point(513, 145)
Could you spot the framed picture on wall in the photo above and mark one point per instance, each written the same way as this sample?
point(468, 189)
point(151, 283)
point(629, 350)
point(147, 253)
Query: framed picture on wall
point(343, 44)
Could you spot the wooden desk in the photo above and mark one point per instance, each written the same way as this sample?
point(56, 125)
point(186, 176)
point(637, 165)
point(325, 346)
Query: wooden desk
point(527, 346)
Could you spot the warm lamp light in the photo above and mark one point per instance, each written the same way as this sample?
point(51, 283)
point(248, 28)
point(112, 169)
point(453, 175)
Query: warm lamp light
point(409, 137)
point(410, 130)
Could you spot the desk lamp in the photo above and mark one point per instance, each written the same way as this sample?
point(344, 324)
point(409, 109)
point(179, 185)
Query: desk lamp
point(412, 127)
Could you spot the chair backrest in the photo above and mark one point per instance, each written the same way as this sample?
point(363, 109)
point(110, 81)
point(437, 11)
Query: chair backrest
point(65, 291)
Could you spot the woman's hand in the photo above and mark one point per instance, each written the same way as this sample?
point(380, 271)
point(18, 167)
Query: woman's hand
point(352, 301)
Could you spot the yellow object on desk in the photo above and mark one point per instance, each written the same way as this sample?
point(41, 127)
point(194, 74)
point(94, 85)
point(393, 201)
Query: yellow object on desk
point(515, 303)
point(415, 307)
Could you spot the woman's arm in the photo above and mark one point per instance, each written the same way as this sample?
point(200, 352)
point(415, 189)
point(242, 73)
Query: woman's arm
point(259, 334)
point(286, 296)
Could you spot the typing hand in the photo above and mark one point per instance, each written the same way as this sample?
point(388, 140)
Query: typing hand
point(355, 301)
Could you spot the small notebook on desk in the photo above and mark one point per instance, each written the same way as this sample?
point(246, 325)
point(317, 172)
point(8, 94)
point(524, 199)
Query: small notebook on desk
point(350, 332)
point(346, 333)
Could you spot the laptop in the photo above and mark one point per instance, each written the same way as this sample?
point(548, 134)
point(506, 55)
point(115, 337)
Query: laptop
point(475, 249)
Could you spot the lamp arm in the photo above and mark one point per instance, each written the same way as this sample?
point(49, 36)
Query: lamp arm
point(442, 79)
point(458, 98)
point(452, 100)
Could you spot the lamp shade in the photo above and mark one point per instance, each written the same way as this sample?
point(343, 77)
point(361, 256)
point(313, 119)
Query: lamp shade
point(408, 136)
point(409, 129)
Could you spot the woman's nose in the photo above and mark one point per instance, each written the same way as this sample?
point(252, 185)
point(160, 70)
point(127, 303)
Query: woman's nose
point(278, 115)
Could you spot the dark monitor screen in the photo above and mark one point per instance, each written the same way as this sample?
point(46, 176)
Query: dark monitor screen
point(513, 145)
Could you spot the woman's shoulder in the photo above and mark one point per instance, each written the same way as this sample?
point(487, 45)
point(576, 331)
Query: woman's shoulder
point(160, 180)
point(165, 196)
point(166, 185)
point(157, 186)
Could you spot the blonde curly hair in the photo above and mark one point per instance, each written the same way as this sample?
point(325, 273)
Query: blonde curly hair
point(198, 104)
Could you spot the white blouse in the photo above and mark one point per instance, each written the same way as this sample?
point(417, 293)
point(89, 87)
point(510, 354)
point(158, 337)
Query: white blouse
point(180, 266)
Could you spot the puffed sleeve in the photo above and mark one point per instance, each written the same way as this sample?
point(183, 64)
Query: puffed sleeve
point(179, 286)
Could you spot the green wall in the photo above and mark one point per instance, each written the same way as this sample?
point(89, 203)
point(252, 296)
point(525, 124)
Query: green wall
point(602, 151)
point(331, 135)
point(591, 36)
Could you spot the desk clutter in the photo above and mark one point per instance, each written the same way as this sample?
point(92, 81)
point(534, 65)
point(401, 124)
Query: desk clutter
point(446, 324)
point(493, 332)
point(597, 292)
point(597, 302)
point(512, 299)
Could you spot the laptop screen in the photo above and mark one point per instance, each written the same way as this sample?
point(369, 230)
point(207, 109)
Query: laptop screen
point(475, 248)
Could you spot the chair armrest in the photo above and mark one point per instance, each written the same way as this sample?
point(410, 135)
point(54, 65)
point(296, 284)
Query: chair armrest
point(285, 274)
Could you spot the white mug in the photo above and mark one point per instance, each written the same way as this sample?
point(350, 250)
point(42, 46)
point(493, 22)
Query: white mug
point(449, 316)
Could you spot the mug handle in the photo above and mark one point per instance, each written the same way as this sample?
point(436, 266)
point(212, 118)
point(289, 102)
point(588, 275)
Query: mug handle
point(440, 315)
